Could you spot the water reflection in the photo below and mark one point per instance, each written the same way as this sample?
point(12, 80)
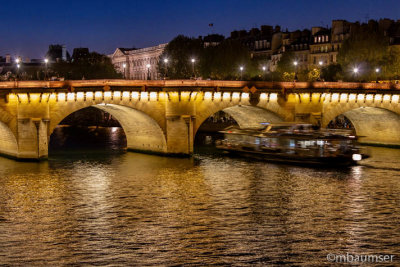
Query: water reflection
point(103, 208)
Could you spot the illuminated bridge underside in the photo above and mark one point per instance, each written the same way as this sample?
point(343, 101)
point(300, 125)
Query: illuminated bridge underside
point(375, 125)
point(142, 132)
point(249, 116)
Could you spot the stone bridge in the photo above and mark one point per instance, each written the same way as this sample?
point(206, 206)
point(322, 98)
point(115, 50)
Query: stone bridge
point(164, 116)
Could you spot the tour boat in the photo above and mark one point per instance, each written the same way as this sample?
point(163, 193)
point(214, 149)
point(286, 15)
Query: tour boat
point(293, 143)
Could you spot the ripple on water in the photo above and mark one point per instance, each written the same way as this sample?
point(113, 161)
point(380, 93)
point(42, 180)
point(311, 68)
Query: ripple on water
point(135, 209)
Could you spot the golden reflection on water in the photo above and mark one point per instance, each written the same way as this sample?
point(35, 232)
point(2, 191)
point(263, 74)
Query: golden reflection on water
point(135, 209)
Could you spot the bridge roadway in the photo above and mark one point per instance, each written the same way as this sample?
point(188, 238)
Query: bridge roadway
point(164, 116)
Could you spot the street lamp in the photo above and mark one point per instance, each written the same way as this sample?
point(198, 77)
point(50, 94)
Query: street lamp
point(377, 70)
point(241, 72)
point(166, 67)
point(193, 61)
point(148, 71)
point(17, 60)
point(355, 71)
point(264, 69)
point(46, 60)
point(295, 63)
point(124, 66)
point(320, 63)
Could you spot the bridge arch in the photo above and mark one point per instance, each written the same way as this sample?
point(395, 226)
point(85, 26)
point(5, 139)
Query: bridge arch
point(374, 125)
point(245, 113)
point(142, 131)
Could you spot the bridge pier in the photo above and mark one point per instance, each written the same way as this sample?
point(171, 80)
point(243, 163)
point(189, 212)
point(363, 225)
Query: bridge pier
point(32, 138)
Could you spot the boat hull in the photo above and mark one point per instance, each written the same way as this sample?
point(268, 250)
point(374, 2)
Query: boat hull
point(343, 160)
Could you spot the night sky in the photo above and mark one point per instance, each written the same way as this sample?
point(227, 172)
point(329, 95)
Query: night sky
point(28, 27)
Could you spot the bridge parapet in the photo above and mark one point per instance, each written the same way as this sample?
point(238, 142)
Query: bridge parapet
point(190, 85)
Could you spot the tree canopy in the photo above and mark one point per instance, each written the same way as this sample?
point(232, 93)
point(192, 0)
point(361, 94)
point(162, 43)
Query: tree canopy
point(87, 66)
point(366, 49)
point(221, 61)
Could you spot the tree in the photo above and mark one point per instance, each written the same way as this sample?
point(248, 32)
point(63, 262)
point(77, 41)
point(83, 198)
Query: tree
point(179, 53)
point(366, 49)
point(90, 66)
point(224, 61)
point(286, 69)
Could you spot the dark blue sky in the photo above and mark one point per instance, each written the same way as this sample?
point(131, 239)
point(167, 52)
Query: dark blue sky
point(28, 27)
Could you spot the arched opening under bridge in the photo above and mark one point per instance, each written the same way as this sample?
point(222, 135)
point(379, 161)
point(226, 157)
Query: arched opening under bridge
point(241, 115)
point(375, 126)
point(109, 126)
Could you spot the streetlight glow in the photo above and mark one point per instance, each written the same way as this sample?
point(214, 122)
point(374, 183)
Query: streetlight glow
point(295, 63)
point(355, 70)
point(377, 70)
point(165, 60)
point(17, 60)
point(264, 68)
point(320, 63)
point(193, 60)
point(241, 68)
point(124, 65)
point(46, 60)
point(148, 66)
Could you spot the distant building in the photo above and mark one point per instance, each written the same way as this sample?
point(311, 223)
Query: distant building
point(57, 53)
point(140, 64)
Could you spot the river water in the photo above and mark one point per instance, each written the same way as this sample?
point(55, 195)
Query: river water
point(101, 206)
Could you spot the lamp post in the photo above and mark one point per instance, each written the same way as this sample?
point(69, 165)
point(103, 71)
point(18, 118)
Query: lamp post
point(124, 67)
point(166, 67)
point(295, 63)
point(241, 72)
point(148, 71)
point(264, 69)
point(377, 71)
point(18, 66)
point(355, 71)
point(193, 61)
point(45, 63)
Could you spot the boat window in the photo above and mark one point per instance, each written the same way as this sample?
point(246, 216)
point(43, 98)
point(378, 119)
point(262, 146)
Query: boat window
point(292, 143)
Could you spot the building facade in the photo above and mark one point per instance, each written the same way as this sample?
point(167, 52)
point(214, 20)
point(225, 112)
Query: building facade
point(138, 64)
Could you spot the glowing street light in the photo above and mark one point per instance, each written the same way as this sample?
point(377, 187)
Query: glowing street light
point(193, 61)
point(148, 71)
point(241, 72)
point(355, 70)
point(46, 60)
point(264, 69)
point(377, 70)
point(124, 67)
point(17, 60)
point(166, 67)
point(295, 63)
point(320, 63)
